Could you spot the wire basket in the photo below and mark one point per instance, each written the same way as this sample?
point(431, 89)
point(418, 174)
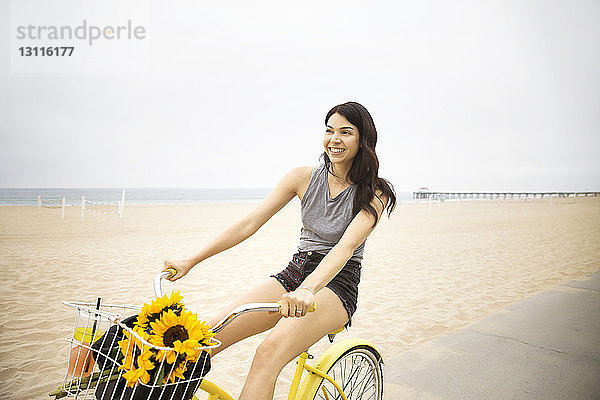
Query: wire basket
point(95, 359)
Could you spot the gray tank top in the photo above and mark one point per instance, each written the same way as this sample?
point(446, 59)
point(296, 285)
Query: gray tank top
point(324, 220)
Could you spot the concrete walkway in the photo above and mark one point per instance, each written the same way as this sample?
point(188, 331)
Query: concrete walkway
point(544, 347)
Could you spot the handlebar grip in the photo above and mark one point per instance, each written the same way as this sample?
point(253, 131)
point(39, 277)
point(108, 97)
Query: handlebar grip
point(172, 271)
point(312, 308)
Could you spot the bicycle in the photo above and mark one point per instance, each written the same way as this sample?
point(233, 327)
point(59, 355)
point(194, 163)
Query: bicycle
point(351, 369)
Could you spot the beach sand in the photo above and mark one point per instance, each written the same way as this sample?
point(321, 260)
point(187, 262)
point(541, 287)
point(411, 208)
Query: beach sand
point(423, 275)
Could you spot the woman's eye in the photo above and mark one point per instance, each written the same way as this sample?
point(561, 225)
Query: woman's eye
point(346, 133)
point(329, 131)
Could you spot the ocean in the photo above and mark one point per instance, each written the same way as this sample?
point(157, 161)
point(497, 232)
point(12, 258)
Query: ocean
point(29, 196)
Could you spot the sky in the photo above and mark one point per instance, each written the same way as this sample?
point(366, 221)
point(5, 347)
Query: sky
point(466, 95)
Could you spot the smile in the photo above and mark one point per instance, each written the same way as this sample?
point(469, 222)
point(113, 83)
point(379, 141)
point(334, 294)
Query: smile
point(335, 151)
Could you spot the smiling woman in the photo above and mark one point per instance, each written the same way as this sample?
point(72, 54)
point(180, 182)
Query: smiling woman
point(358, 138)
point(341, 202)
point(341, 138)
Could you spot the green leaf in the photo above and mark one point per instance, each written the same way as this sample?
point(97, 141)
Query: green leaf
point(161, 374)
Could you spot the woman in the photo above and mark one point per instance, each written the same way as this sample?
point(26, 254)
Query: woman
point(341, 202)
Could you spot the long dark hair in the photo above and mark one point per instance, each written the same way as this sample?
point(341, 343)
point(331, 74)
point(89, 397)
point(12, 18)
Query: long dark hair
point(365, 166)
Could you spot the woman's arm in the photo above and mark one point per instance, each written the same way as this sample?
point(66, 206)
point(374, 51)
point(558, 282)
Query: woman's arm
point(356, 233)
point(290, 185)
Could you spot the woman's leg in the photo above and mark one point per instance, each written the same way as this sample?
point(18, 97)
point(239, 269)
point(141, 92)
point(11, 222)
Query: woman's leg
point(289, 338)
point(270, 290)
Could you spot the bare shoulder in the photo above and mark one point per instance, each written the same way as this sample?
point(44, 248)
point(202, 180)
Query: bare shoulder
point(301, 173)
point(298, 175)
point(297, 180)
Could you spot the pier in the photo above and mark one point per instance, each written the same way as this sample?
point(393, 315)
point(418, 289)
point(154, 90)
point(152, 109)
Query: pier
point(441, 196)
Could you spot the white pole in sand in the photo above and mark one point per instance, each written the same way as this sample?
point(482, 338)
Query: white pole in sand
point(62, 211)
point(430, 196)
point(82, 206)
point(122, 204)
point(40, 202)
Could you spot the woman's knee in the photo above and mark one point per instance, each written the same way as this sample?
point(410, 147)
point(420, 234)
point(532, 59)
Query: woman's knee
point(271, 356)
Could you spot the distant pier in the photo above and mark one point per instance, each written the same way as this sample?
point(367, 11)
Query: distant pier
point(441, 196)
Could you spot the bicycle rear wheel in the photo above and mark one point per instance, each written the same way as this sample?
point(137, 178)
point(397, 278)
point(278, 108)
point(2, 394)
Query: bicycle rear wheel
point(358, 370)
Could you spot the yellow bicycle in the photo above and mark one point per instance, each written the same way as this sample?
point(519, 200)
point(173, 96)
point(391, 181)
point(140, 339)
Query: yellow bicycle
point(351, 369)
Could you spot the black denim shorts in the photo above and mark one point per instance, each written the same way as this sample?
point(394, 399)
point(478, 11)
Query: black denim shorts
point(344, 284)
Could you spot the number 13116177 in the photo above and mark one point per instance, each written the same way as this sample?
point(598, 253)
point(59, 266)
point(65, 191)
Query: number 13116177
point(46, 51)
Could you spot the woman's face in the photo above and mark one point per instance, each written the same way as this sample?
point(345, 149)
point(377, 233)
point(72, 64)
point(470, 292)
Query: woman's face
point(341, 139)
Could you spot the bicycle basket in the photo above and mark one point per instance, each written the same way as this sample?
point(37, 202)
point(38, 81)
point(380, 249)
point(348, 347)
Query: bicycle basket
point(95, 360)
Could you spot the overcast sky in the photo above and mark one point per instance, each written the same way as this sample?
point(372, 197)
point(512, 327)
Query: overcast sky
point(466, 95)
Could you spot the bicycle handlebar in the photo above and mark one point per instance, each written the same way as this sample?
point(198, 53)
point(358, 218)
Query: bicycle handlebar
point(158, 278)
point(243, 309)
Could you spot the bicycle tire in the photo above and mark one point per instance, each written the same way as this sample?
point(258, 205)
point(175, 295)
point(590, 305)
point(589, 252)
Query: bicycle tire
point(358, 370)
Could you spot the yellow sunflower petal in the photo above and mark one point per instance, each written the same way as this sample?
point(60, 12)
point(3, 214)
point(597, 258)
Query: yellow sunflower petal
point(125, 347)
point(176, 373)
point(166, 302)
point(145, 378)
point(168, 356)
point(144, 362)
point(170, 318)
point(132, 376)
point(176, 297)
point(127, 363)
point(142, 320)
point(187, 347)
point(171, 356)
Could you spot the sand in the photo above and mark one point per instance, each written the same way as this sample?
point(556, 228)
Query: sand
point(423, 275)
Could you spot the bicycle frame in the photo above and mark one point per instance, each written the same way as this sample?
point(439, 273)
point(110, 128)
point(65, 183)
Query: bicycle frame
point(301, 365)
point(216, 393)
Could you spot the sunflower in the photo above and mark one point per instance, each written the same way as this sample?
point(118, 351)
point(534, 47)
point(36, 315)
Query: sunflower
point(172, 327)
point(163, 323)
point(183, 333)
point(152, 312)
point(141, 373)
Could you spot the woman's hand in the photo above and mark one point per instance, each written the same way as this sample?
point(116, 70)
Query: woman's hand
point(182, 267)
point(297, 303)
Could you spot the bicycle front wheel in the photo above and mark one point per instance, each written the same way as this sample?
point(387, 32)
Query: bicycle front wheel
point(355, 365)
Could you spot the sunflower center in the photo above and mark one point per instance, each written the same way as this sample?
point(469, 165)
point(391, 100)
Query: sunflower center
point(173, 334)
